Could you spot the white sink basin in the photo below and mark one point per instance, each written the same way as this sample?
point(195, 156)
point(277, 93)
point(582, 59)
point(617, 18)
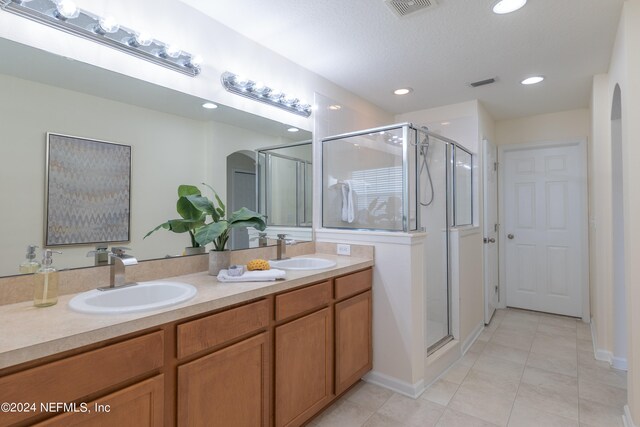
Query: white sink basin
point(144, 296)
point(303, 263)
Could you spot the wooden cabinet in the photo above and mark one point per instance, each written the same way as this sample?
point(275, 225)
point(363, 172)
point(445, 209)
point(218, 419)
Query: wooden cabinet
point(229, 387)
point(275, 361)
point(303, 368)
point(139, 405)
point(353, 340)
point(71, 379)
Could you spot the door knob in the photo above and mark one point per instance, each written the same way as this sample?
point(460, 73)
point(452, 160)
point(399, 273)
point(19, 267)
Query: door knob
point(510, 236)
point(492, 240)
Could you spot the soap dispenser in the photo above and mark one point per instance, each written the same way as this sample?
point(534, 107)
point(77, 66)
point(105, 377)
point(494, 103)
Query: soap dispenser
point(30, 265)
point(46, 278)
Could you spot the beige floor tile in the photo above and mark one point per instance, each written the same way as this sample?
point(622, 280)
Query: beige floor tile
point(600, 415)
point(514, 339)
point(344, 414)
point(555, 346)
point(585, 345)
point(469, 359)
point(378, 420)
point(608, 376)
point(485, 335)
point(452, 418)
point(457, 373)
point(499, 367)
point(584, 334)
point(602, 393)
point(557, 331)
point(410, 412)
point(440, 392)
point(519, 325)
point(484, 383)
point(523, 415)
point(550, 392)
point(489, 407)
point(587, 359)
point(522, 315)
point(477, 347)
point(506, 353)
point(368, 395)
point(567, 365)
point(565, 322)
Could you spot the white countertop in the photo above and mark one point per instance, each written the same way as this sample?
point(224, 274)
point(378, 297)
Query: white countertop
point(30, 333)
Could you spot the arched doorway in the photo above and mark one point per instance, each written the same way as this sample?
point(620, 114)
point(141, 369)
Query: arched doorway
point(619, 292)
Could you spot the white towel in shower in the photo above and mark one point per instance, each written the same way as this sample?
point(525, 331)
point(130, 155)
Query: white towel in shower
point(348, 209)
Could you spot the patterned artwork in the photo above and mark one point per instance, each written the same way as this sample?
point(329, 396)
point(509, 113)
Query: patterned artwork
point(88, 191)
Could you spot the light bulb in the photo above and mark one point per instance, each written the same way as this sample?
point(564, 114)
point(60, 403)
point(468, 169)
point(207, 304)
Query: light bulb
point(143, 39)
point(66, 9)
point(209, 106)
point(172, 51)
point(196, 61)
point(108, 25)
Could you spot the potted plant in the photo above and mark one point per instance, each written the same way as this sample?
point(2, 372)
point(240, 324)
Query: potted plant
point(191, 219)
point(194, 208)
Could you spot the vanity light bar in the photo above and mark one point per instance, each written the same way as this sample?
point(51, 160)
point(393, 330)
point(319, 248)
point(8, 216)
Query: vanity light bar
point(259, 92)
point(64, 15)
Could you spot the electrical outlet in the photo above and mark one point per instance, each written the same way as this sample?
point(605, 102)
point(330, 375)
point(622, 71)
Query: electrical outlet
point(343, 249)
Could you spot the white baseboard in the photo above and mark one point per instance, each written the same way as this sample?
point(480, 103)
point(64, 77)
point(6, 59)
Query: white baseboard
point(606, 355)
point(626, 418)
point(473, 336)
point(410, 390)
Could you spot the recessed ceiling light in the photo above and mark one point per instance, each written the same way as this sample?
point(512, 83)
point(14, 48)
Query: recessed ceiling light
point(445, 123)
point(403, 91)
point(532, 80)
point(508, 6)
point(293, 130)
point(335, 107)
point(209, 105)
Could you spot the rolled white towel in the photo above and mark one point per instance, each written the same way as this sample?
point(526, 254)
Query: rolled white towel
point(253, 276)
point(348, 204)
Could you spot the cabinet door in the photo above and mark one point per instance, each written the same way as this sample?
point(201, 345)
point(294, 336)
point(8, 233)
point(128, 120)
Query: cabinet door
point(303, 368)
point(353, 340)
point(139, 405)
point(227, 388)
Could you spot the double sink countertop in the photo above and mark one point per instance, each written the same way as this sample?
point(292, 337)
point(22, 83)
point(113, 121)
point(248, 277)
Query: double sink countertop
point(30, 333)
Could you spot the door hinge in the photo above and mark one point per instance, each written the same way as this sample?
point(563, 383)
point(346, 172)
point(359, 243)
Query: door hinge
point(495, 166)
point(496, 227)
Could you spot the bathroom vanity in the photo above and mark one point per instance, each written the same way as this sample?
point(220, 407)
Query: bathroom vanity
point(270, 354)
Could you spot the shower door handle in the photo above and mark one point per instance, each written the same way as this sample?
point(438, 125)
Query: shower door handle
point(489, 240)
point(510, 236)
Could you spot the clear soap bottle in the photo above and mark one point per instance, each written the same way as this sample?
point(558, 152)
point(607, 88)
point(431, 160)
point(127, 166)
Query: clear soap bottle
point(30, 265)
point(46, 279)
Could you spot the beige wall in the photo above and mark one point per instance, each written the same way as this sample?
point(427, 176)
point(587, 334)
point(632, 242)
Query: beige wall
point(559, 126)
point(624, 71)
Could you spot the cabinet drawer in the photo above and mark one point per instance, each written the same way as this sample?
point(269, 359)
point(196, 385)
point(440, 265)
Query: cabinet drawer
point(210, 331)
point(301, 300)
point(141, 404)
point(353, 283)
point(70, 379)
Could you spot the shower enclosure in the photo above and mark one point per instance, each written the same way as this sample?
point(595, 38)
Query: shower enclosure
point(402, 178)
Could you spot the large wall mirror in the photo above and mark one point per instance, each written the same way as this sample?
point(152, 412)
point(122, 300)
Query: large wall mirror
point(173, 141)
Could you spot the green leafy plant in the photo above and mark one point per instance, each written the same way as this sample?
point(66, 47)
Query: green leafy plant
point(194, 208)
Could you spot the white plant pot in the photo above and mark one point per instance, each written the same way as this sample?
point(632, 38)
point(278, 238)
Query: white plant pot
point(218, 260)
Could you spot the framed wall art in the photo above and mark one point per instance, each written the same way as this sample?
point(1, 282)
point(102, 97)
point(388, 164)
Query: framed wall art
point(88, 191)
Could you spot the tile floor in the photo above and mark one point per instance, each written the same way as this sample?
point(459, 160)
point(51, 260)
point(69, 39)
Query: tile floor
point(526, 369)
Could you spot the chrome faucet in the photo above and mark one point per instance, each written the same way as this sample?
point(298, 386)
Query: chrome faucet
point(119, 260)
point(281, 248)
point(262, 239)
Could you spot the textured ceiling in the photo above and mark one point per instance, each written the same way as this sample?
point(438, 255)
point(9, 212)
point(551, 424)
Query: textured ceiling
point(362, 46)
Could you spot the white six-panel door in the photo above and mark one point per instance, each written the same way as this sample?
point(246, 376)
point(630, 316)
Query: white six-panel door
point(543, 228)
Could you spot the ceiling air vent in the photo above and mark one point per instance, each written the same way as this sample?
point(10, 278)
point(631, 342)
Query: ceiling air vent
point(483, 82)
point(403, 8)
